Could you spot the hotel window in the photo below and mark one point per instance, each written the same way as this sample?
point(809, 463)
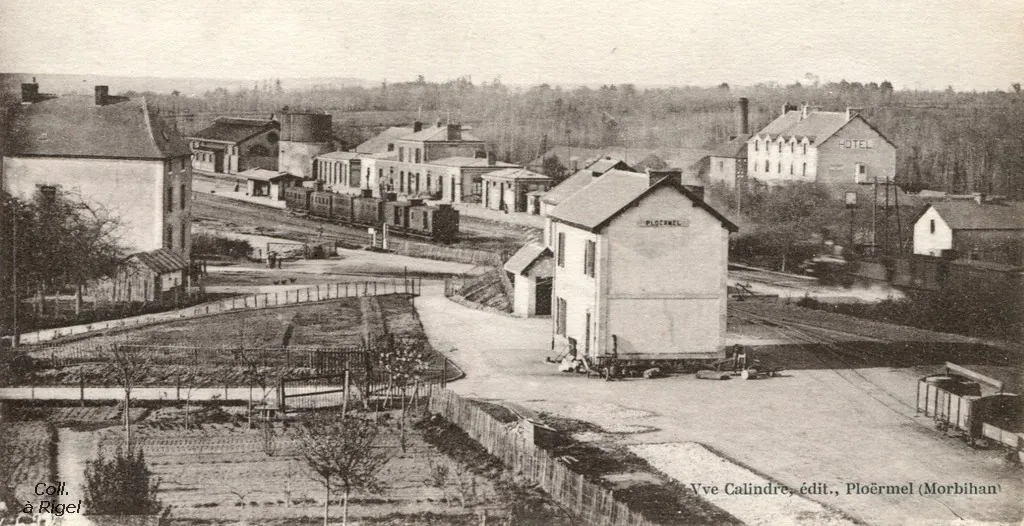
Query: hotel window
point(790, 168)
point(779, 167)
point(561, 249)
point(560, 316)
point(805, 170)
point(860, 172)
point(757, 146)
point(780, 146)
point(588, 258)
point(767, 167)
point(805, 149)
point(931, 226)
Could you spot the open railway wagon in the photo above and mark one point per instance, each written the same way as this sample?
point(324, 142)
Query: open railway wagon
point(411, 218)
point(974, 406)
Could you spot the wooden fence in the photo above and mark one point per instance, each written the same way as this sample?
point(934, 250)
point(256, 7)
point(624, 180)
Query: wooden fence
point(253, 301)
point(588, 502)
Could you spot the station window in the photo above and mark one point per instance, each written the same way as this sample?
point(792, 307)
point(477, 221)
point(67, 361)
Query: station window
point(757, 146)
point(181, 196)
point(589, 252)
point(767, 167)
point(780, 146)
point(170, 198)
point(805, 170)
point(560, 316)
point(561, 249)
point(168, 234)
point(805, 149)
point(790, 168)
point(778, 167)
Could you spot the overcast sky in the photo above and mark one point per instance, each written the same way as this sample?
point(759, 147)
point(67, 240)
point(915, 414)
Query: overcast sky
point(975, 44)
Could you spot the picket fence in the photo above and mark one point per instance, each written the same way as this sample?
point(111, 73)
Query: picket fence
point(588, 502)
point(250, 302)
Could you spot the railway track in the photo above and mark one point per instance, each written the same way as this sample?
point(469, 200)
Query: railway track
point(815, 340)
point(285, 224)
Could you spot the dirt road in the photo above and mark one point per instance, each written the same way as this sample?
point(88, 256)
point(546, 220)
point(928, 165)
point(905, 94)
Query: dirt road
point(829, 425)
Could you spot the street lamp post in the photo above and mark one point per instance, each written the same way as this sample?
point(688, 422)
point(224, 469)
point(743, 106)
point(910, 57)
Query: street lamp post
point(851, 205)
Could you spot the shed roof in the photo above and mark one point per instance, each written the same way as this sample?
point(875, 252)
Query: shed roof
point(568, 187)
point(516, 174)
point(602, 200)
point(379, 143)
point(259, 174)
point(473, 162)
point(340, 156)
point(161, 260)
point(735, 148)
point(525, 257)
point(75, 126)
point(235, 130)
point(970, 215)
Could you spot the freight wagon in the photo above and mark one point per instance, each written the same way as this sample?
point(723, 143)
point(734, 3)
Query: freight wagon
point(410, 218)
point(964, 401)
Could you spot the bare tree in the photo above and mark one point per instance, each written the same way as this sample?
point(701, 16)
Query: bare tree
point(344, 455)
point(404, 363)
point(128, 369)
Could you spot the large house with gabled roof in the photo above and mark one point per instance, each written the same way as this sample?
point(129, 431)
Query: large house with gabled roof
point(835, 148)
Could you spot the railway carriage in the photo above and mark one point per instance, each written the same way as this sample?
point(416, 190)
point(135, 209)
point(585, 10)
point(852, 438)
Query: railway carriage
point(296, 198)
point(411, 218)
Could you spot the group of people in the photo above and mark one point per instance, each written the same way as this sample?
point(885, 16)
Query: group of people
point(273, 260)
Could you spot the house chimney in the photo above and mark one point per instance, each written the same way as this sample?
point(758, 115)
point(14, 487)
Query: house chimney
point(744, 117)
point(491, 159)
point(30, 91)
point(454, 132)
point(787, 107)
point(656, 176)
point(438, 123)
point(101, 95)
point(417, 126)
point(803, 109)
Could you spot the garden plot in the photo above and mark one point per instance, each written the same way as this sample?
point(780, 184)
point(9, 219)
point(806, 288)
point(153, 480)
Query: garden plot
point(220, 471)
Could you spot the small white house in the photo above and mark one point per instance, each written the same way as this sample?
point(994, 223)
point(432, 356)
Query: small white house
point(532, 268)
point(640, 269)
point(972, 229)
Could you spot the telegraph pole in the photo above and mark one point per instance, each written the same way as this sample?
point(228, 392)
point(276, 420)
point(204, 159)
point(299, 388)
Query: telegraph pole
point(885, 226)
point(874, 221)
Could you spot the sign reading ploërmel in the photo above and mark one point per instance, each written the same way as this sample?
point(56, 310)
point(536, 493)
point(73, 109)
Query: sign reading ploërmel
point(662, 223)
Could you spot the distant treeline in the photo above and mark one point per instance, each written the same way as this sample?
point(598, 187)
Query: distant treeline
point(959, 142)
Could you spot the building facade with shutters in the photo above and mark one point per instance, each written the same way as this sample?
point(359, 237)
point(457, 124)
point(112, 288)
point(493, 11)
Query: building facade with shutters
point(640, 265)
point(835, 148)
point(112, 153)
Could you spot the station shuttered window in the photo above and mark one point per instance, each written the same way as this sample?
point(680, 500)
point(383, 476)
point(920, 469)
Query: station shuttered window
point(181, 196)
point(170, 199)
point(168, 235)
point(588, 258)
point(561, 249)
point(560, 316)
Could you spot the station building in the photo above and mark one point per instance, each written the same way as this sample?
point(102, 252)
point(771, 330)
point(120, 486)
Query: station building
point(640, 265)
point(507, 189)
point(835, 148)
point(232, 145)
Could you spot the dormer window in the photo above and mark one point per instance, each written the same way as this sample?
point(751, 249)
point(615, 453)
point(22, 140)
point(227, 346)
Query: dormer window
point(757, 146)
point(805, 148)
point(780, 146)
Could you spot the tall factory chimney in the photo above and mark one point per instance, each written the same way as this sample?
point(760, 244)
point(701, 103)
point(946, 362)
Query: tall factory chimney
point(101, 94)
point(744, 117)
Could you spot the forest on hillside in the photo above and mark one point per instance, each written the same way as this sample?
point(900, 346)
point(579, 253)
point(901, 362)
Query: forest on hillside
point(947, 140)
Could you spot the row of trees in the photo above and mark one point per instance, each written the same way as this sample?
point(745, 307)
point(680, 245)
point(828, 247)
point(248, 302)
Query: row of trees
point(947, 140)
point(53, 243)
